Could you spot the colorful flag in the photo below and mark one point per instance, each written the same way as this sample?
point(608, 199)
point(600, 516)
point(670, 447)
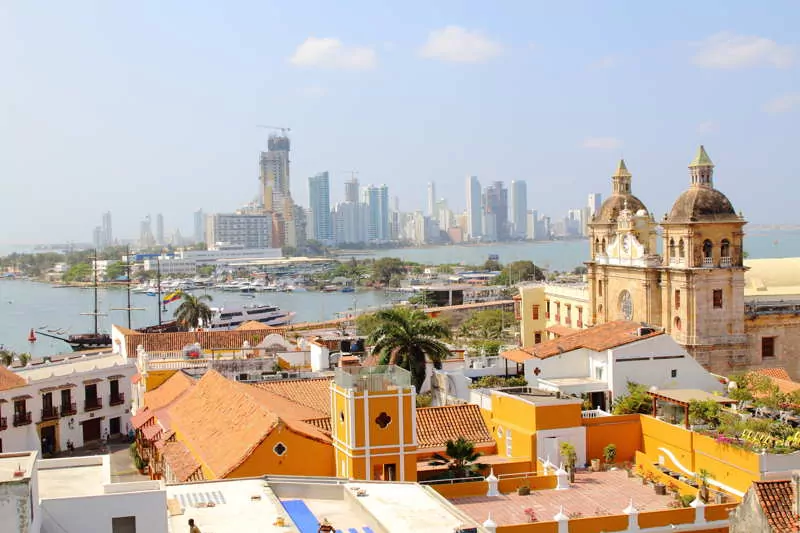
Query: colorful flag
point(171, 297)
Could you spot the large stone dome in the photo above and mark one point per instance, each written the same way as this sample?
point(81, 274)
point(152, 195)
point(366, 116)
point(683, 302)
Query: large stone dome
point(702, 204)
point(609, 210)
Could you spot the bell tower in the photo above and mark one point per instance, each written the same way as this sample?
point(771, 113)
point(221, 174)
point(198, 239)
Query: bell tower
point(703, 272)
point(374, 425)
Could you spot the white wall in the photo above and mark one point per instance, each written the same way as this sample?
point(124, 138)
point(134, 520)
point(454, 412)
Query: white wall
point(656, 369)
point(94, 513)
point(567, 365)
point(548, 442)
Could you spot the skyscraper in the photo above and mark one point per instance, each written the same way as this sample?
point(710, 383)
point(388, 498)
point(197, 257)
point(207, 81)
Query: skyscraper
point(319, 201)
point(377, 198)
point(474, 208)
point(519, 209)
point(496, 203)
point(97, 237)
point(432, 199)
point(106, 238)
point(160, 229)
point(594, 202)
point(199, 226)
point(351, 190)
point(276, 195)
point(146, 239)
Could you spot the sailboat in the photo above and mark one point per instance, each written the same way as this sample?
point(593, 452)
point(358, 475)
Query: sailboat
point(87, 341)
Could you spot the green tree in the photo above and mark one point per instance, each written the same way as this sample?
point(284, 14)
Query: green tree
point(489, 324)
point(78, 272)
point(408, 338)
point(519, 271)
point(635, 401)
point(6, 357)
point(205, 270)
point(492, 265)
point(115, 270)
point(385, 268)
point(366, 324)
point(460, 459)
point(193, 310)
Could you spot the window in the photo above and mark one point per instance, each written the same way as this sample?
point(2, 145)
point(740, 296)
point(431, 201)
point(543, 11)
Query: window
point(672, 248)
point(677, 323)
point(547, 308)
point(767, 347)
point(558, 311)
point(600, 288)
point(677, 299)
point(537, 338)
point(123, 524)
point(673, 373)
point(717, 298)
point(580, 317)
point(567, 314)
point(725, 248)
point(383, 420)
point(707, 249)
point(279, 449)
point(535, 312)
point(681, 249)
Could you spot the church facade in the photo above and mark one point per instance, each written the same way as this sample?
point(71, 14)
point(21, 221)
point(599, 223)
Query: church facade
point(693, 287)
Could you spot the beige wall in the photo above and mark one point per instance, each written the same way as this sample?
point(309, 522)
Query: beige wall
point(531, 296)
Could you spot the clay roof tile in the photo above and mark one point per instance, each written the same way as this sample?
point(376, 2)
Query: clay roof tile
point(437, 425)
point(776, 499)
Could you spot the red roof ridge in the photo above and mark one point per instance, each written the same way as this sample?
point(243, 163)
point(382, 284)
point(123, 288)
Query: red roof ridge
point(10, 380)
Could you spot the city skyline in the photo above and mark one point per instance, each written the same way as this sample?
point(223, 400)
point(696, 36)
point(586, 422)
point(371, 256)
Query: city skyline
point(91, 92)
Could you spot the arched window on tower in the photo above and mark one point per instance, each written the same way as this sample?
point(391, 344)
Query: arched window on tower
point(597, 246)
point(708, 250)
point(681, 250)
point(603, 244)
point(725, 253)
point(672, 258)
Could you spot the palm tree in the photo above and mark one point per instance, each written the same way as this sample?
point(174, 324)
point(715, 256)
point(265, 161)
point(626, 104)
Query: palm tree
point(460, 458)
point(193, 310)
point(407, 338)
point(6, 357)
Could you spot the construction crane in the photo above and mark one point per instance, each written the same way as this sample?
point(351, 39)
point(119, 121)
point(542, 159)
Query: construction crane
point(284, 131)
point(353, 173)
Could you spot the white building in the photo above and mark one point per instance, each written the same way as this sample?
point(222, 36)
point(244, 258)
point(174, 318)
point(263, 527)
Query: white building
point(171, 265)
point(350, 222)
point(319, 201)
point(519, 209)
point(228, 253)
point(246, 230)
point(600, 361)
point(79, 399)
point(474, 208)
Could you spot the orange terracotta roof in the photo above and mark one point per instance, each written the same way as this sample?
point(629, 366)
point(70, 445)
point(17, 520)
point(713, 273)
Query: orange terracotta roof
point(169, 391)
point(323, 424)
point(779, 373)
point(180, 460)
point(598, 339)
point(776, 499)
point(252, 325)
point(562, 331)
point(437, 425)
point(142, 417)
point(209, 340)
point(224, 421)
point(151, 432)
point(313, 393)
point(10, 380)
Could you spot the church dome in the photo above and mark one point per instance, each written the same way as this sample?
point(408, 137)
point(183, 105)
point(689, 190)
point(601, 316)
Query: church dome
point(621, 197)
point(609, 210)
point(701, 202)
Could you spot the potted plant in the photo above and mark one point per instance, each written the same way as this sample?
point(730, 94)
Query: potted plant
point(660, 488)
point(531, 514)
point(524, 489)
point(595, 465)
point(702, 478)
point(609, 454)
point(570, 456)
point(628, 468)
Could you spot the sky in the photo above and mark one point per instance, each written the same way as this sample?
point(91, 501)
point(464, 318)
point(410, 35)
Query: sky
point(151, 107)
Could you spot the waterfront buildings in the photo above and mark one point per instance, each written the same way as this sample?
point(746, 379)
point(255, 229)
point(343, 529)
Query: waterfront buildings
point(350, 222)
point(319, 202)
point(495, 202)
point(519, 209)
point(351, 189)
point(160, 229)
point(377, 200)
point(474, 208)
point(199, 220)
point(245, 230)
point(432, 211)
point(57, 403)
point(146, 238)
point(107, 235)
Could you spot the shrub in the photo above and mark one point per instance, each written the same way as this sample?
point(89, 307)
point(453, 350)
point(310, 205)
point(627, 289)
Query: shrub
point(610, 453)
point(635, 401)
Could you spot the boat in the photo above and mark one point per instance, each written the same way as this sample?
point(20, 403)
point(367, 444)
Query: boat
point(330, 288)
point(348, 289)
point(231, 317)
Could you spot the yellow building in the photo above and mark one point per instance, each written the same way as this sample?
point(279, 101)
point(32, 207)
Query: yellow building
point(374, 429)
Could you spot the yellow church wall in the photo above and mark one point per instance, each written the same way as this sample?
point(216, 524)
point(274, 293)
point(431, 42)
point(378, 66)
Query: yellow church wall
point(785, 329)
point(529, 326)
point(295, 461)
point(156, 377)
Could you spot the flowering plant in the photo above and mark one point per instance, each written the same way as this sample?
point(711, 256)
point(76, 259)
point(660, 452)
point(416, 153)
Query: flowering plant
point(531, 514)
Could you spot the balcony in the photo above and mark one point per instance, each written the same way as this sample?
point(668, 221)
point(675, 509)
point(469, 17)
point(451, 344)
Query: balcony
point(22, 419)
point(708, 262)
point(69, 409)
point(93, 404)
point(119, 399)
point(49, 413)
point(676, 260)
point(3, 423)
point(725, 262)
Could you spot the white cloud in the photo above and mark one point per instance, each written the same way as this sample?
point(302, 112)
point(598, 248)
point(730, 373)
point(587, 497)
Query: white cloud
point(728, 50)
point(602, 143)
point(460, 45)
point(604, 63)
point(708, 127)
point(332, 53)
point(783, 104)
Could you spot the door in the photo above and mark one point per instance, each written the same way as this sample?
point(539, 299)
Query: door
point(66, 402)
point(91, 430)
point(113, 425)
point(49, 444)
point(114, 389)
point(90, 395)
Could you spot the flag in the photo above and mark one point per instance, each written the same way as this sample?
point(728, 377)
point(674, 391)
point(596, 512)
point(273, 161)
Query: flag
point(171, 297)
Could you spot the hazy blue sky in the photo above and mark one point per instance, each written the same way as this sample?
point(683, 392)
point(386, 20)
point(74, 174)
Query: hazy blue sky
point(147, 107)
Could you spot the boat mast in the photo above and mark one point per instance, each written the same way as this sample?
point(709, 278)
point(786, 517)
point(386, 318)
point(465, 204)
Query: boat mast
point(128, 275)
point(94, 270)
point(158, 282)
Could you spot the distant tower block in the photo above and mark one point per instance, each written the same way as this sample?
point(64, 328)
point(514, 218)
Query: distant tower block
point(374, 423)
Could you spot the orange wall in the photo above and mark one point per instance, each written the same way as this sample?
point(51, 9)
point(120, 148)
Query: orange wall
point(535, 527)
point(558, 416)
point(625, 431)
point(461, 490)
point(665, 517)
point(295, 461)
point(598, 523)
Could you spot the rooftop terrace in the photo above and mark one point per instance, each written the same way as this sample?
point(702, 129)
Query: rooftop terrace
point(373, 378)
point(592, 494)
